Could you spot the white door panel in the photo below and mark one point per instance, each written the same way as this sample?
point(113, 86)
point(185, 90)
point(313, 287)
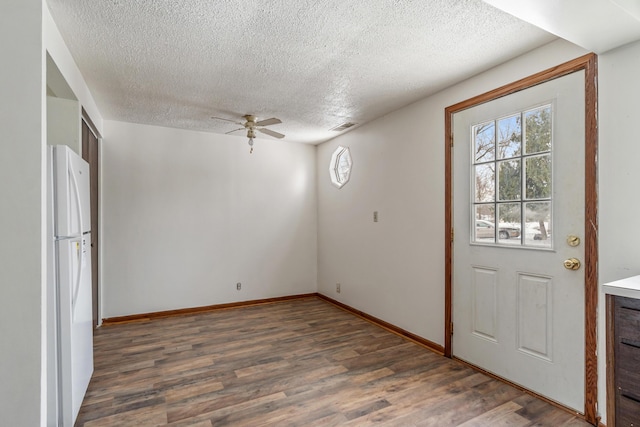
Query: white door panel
point(72, 193)
point(518, 312)
point(75, 323)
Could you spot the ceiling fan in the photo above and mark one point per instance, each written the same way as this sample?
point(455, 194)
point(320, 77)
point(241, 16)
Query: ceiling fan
point(251, 126)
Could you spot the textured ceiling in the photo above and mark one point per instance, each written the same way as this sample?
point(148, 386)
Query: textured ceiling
point(313, 64)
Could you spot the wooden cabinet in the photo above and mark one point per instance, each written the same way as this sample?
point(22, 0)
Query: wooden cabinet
point(624, 344)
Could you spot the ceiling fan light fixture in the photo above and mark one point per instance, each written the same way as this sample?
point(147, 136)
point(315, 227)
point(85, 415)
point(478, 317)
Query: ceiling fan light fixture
point(251, 126)
point(251, 134)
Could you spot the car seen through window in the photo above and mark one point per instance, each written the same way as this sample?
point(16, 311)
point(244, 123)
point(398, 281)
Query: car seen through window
point(486, 230)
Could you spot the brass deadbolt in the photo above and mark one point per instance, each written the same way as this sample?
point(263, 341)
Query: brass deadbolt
point(573, 240)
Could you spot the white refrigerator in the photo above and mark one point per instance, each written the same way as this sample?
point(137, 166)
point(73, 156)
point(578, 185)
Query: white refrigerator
point(70, 336)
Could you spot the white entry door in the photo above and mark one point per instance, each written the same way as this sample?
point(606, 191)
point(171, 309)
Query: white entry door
point(518, 217)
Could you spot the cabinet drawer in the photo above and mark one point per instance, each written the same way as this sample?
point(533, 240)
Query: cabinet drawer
point(627, 412)
point(628, 384)
point(622, 302)
point(628, 325)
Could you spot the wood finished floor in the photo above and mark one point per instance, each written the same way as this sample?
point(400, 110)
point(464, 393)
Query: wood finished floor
point(295, 363)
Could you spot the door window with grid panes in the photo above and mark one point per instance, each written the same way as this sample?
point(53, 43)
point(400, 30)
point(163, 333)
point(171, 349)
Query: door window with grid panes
point(512, 174)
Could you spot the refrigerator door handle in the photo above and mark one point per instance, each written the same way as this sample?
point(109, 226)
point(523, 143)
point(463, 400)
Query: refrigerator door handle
point(79, 249)
point(76, 285)
point(76, 189)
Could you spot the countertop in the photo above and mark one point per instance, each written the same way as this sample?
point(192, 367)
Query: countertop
point(629, 287)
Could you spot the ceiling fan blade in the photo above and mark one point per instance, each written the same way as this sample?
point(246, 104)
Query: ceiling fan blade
point(267, 122)
point(226, 120)
point(272, 133)
point(232, 131)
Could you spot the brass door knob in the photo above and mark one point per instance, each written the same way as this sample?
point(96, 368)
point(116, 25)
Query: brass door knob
point(572, 264)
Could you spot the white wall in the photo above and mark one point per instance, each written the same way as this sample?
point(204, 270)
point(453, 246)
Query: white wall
point(188, 214)
point(394, 269)
point(63, 123)
point(60, 54)
point(22, 213)
point(619, 176)
point(619, 156)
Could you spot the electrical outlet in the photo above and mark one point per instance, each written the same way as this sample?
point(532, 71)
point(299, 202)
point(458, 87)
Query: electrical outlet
point(238, 286)
point(338, 287)
point(375, 216)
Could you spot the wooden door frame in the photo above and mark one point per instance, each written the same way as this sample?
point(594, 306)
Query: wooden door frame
point(588, 63)
point(91, 128)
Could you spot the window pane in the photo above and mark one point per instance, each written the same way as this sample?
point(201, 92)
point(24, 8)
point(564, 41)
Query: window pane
point(509, 214)
point(340, 166)
point(485, 183)
point(538, 130)
point(538, 224)
point(509, 223)
point(484, 231)
point(538, 177)
point(484, 142)
point(344, 166)
point(509, 137)
point(512, 173)
point(509, 185)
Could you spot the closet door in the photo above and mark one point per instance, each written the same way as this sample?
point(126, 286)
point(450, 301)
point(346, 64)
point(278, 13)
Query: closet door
point(90, 150)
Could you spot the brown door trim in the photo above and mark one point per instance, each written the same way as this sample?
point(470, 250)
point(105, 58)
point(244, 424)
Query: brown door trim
point(588, 63)
point(90, 152)
point(85, 116)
